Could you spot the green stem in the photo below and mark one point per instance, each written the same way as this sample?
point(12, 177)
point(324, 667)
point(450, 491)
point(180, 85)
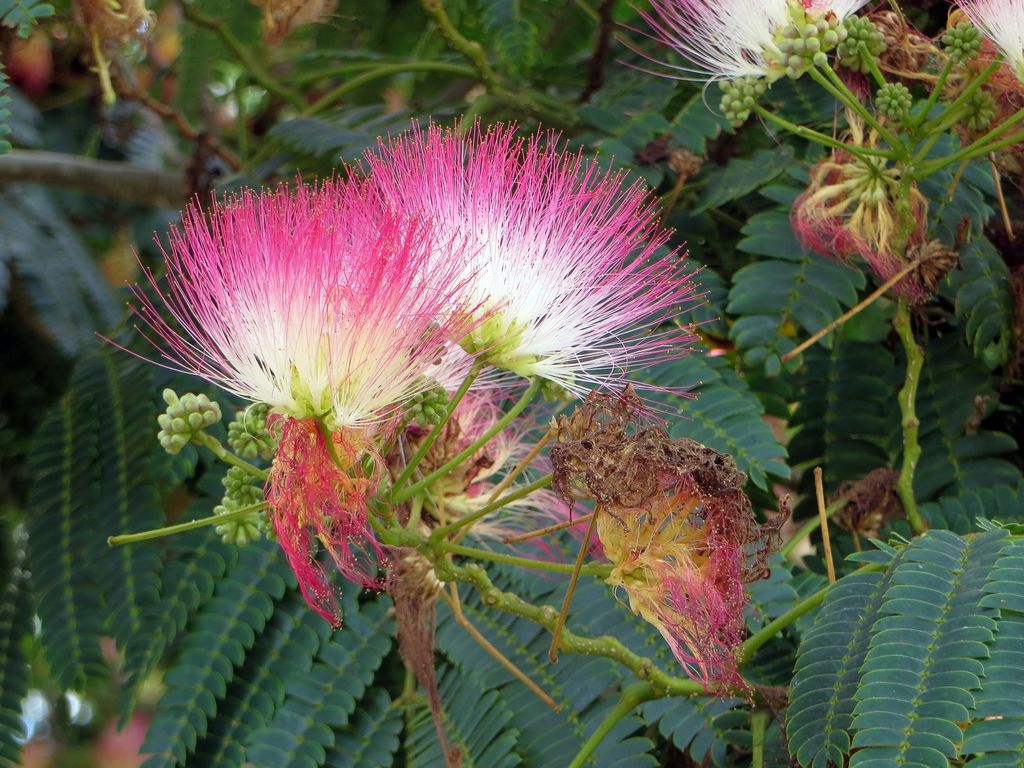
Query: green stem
point(772, 628)
point(494, 506)
point(383, 71)
point(834, 85)
point(821, 138)
point(967, 93)
point(243, 53)
point(632, 697)
point(332, 449)
point(398, 66)
point(213, 445)
point(908, 416)
point(191, 525)
point(979, 146)
point(810, 527)
point(758, 723)
point(875, 71)
point(934, 95)
point(505, 420)
point(546, 616)
point(434, 433)
point(471, 49)
point(600, 571)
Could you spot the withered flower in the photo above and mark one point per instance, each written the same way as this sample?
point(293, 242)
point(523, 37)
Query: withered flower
point(675, 523)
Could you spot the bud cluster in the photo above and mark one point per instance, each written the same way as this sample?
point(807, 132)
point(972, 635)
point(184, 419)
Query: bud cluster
point(241, 489)
point(864, 43)
point(893, 100)
point(739, 97)
point(980, 110)
point(184, 417)
point(248, 435)
point(962, 42)
point(430, 408)
point(806, 41)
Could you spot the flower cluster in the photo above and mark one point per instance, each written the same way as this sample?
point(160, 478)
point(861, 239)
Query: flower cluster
point(343, 309)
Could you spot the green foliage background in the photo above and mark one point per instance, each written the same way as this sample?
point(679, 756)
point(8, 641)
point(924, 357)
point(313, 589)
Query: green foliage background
point(250, 674)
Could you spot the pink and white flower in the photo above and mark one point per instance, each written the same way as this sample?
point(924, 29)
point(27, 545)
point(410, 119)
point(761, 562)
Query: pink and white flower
point(1002, 22)
point(727, 39)
point(561, 260)
point(315, 302)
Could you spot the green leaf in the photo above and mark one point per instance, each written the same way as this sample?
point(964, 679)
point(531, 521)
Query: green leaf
point(15, 627)
point(953, 399)
point(370, 740)
point(320, 701)
point(960, 513)
point(284, 651)
point(65, 530)
point(696, 123)
point(792, 289)
point(847, 416)
point(68, 294)
point(513, 36)
point(827, 673)
point(741, 177)
point(477, 722)
point(984, 303)
point(120, 390)
point(723, 414)
point(22, 14)
point(923, 660)
point(214, 647)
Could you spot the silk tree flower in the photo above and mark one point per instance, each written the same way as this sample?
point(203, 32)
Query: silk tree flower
point(315, 303)
point(1002, 22)
point(561, 257)
point(729, 39)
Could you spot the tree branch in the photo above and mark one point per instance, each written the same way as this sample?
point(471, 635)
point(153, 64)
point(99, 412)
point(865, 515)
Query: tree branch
point(122, 181)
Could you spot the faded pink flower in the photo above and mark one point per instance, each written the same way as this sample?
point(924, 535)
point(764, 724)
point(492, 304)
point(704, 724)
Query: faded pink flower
point(561, 256)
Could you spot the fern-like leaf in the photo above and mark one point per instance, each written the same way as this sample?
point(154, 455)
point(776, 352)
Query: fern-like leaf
point(960, 513)
point(370, 740)
point(477, 722)
point(983, 300)
point(847, 412)
point(119, 388)
point(792, 287)
point(923, 662)
point(65, 537)
point(214, 647)
point(22, 14)
point(827, 671)
point(321, 700)
point(15, 626)
point(284, 651)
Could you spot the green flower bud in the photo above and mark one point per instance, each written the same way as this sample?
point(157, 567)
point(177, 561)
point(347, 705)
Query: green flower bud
point(238, 530)
point(739, 97)
point(430, 407)
point(248, 435)
point(893, 100)
point(981, 111)
point(863, 44)
point(962, 42)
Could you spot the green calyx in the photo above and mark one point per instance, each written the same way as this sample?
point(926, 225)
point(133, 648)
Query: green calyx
point(863, 45)
point(806, 40)
point(980, 111)
point(893, 100)
point(739, 97)
point(248, 435)
point(498, 341)
point(184, 417)
point(962, 42)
